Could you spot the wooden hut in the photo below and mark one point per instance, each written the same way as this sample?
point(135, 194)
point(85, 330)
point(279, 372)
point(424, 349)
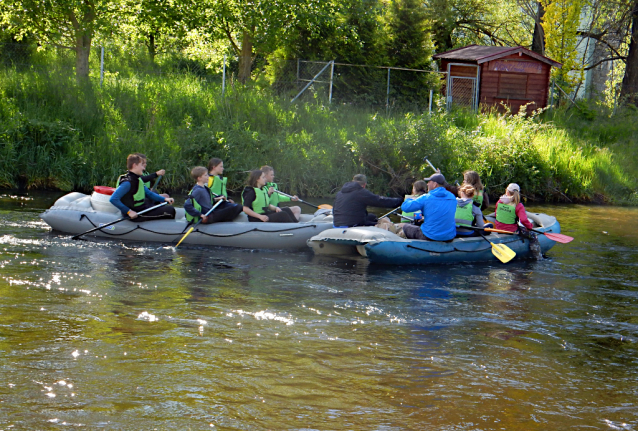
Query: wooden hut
point(496, 75)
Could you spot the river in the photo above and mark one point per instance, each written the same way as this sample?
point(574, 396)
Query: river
point(116, 335)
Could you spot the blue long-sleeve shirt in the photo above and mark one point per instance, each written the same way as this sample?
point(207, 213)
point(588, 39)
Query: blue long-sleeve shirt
point(123, 189)
point(438, 208)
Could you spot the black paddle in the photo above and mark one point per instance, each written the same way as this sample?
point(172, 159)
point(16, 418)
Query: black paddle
point(119, 220)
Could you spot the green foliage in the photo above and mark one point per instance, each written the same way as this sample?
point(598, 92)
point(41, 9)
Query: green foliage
point(58, 133)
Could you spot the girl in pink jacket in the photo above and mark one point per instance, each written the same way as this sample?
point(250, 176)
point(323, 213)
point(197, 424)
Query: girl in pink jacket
point(510, 210)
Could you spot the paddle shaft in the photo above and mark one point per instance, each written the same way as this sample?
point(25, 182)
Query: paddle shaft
point(431, 165)
point(119, 220)
point(156, 183)
point(391, 212)
point(201, 219)
point(325, 206)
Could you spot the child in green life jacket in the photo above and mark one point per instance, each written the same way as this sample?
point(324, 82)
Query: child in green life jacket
point(201, 200)
point(145, 178)
point(276, 198)
point(510, 210)
point(481, 200)
point(257, 202)
point(467, 214)
point(217, 182)
point(418, 188)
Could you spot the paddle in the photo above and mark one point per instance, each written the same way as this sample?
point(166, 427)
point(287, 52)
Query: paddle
point(501, 251)
point(156, 183)
point(321, 207)
point(391, 212)
point(558, 237)
point(119, 220)
point(200, 220)
point(436, 170)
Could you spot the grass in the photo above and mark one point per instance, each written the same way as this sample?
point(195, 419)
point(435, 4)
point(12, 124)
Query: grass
point(58, 134)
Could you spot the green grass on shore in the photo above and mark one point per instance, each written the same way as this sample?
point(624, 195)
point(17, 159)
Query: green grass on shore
point(58, 134)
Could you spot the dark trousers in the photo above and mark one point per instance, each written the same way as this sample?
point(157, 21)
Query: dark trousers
point(285, 216)
point(224, 212)
point(165, 212)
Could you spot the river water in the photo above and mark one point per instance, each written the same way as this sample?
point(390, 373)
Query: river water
point(130, 336)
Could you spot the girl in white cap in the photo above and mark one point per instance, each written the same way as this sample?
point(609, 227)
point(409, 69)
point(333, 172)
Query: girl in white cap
point(510, 210)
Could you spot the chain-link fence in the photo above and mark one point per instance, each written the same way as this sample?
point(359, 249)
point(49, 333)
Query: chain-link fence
point(295, 80)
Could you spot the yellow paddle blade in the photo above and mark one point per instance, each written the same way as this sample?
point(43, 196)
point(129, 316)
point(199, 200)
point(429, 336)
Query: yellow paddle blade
point(325, 207)
point(503, 252)
point(184, 237)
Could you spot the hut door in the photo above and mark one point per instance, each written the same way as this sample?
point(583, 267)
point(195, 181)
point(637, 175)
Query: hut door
point(462, 85)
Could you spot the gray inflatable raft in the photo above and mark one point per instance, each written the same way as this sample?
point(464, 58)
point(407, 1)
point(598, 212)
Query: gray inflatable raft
point(76, 213)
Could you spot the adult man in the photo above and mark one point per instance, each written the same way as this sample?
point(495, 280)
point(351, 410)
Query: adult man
point(274, 197)
point(438, 207)
point(351, 202)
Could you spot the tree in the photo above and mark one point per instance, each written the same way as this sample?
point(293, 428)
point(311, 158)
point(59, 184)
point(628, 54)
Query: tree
point(560, 24)
point(69, 24)
point(460, 22)
point(629, 89)
point(161, 19)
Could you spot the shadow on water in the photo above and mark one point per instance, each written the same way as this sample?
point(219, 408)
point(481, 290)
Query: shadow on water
point(132, 335)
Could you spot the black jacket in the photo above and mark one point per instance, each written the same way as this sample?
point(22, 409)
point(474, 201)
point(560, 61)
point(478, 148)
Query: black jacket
point(351, 202)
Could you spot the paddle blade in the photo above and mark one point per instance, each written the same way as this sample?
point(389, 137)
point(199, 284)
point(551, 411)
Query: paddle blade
point(184, 237)
point(325, 207)
point(503, 252)
point(559, 237)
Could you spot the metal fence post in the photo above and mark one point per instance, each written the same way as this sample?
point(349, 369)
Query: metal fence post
point(101, 65)
point(224, 76)
point(387, 96)
point(313, 80)
point(430, 104)
point(332, 71)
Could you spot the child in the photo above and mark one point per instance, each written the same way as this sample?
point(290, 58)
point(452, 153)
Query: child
point(200, 201)
point(131, 193)
point(510, 210)
point(257, 202)
point(481, 199)
point(418, 188)
point(217, 182)
point(145, 178)
point(275, 197)
point(467, 214)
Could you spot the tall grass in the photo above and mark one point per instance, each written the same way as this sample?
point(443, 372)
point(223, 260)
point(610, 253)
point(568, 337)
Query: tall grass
point(56, 133)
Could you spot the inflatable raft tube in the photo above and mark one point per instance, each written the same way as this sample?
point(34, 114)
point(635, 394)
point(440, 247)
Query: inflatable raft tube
point(381, 246)
point(76, 213)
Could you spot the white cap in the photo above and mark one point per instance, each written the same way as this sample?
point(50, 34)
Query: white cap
point(513, 187)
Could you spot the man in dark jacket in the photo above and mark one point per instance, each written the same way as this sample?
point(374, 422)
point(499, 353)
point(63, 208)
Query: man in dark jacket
point(351, 202)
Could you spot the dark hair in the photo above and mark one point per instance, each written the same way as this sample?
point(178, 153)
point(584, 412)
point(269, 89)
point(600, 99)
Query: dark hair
point(198, 171)
point(266, 169)
point(472, 178)
point(134, 159)
point(212, 163)
point(420, 187)
point(254, 177)
point(360, 178)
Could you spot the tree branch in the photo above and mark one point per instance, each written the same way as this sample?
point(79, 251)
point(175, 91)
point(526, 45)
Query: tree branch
point(604, 61)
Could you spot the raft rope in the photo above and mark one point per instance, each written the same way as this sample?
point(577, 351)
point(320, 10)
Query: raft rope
point(456, 249)
point(256, 229)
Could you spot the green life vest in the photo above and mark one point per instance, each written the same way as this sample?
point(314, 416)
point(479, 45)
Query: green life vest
point(463, 215)
point(275, 198)
point(506, 213)
point(261, 202)
point(121, 177)
point(196, 205)
point(478, 198)
point(412, 214)
point(218, 185)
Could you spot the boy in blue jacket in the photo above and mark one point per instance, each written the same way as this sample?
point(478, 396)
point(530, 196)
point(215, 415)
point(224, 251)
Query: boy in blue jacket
point(438, 207)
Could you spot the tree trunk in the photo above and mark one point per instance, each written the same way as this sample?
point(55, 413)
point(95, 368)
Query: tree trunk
point(82, 51)
point(629, 90)
point(152, 49)
point(246, 57)
point(538, 42)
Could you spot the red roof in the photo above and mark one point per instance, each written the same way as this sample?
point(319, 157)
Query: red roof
point(482, 54)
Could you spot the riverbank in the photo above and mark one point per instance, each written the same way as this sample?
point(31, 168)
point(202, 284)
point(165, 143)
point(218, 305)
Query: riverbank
point(58, 134)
